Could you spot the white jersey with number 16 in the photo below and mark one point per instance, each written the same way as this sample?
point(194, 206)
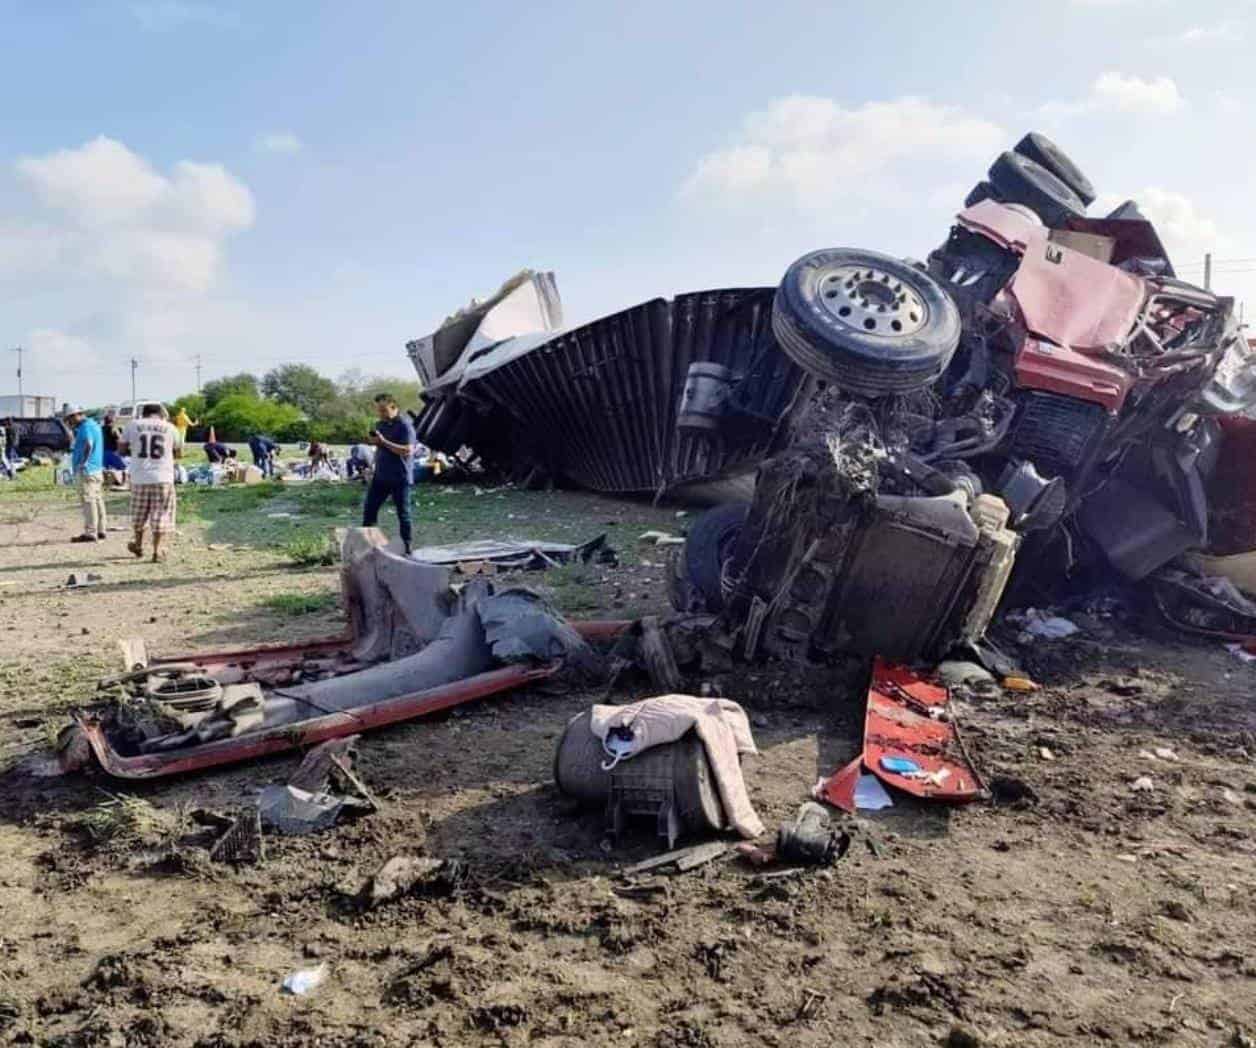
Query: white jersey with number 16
point(152, 442)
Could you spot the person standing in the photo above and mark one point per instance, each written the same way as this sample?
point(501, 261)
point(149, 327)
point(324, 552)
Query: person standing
point(153, 444)
point(181, 422)
point(87, 466)
point(394, 440)
point(11, 432)
point(112, 434)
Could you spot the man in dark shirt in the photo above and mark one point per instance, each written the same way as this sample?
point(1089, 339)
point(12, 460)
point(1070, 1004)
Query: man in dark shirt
point(111, 433)
point(394, 442)
point(218, 452)
point(263, 449)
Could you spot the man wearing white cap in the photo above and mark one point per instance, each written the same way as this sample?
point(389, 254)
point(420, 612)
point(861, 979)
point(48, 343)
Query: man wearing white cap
point(87, 464)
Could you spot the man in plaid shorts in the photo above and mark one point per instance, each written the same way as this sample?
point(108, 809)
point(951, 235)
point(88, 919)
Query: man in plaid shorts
point(153, 444)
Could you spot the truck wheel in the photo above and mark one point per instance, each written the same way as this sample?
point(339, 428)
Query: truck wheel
point(1018, 180)
point(870, 324)
point(981, 191)
point(709, 545)
point(1041, 150)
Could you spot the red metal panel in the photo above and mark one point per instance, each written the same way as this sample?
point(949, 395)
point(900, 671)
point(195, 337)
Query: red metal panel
point(304, 733)
point(1058, 369)
point(1072, 300)
point(317, 729)
point(1006, 227)
point(907, 718)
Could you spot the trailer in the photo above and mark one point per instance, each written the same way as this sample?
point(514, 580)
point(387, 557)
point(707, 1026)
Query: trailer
point(27, 406)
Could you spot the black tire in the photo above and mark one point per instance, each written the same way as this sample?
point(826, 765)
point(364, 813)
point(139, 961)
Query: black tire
point(578, 774)
point(1018, 180)
point(868, 323)
point(981, 191)
point(709, 544)
point(1041, 150)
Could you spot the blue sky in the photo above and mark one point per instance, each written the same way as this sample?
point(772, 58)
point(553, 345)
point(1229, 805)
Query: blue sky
point(269, 182)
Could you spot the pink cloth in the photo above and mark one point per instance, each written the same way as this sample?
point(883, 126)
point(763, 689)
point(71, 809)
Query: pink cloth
point(721, 725)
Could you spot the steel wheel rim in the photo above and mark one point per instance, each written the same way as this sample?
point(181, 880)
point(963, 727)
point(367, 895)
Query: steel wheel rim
point(872, 301)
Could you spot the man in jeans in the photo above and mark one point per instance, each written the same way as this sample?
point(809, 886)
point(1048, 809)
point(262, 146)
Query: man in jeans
point(153, 444)
point(263, 449)
point(87, 465)
point(394, 441)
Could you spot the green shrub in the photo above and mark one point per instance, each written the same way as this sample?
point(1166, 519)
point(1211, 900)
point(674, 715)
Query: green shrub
point(239, 416)
point(310, 550)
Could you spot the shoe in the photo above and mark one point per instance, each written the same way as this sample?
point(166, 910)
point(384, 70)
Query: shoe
point(84, 538)
point(101, 536)
point(159, 558)
point(135, 548)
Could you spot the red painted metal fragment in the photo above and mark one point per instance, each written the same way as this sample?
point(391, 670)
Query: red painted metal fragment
point(906, 718)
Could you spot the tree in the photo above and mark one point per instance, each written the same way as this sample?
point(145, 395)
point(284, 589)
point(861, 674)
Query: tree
point(239, 416)
point(193, 403)
point(216, 389)
point(301, 386)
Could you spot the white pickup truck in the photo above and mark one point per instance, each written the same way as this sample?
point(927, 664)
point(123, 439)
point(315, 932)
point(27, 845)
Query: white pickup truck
point(132, 409)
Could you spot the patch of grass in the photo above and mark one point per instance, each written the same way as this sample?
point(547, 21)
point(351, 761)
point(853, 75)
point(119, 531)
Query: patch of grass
point(208, 502)
point(294, 604)
point(53, 685)
point(126, 821)
point(323, 499)
point(575, 587)
point(311, 550)
point(33, 490)
point(33, 480)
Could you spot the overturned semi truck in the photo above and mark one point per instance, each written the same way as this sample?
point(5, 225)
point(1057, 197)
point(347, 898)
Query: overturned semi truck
point(1042, 383)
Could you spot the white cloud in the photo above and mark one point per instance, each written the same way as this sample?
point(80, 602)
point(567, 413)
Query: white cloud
point(278, 142)
point(1227, 31)
point(157, 16)
point(111, 214)
point(101, 182)
point(1117, 93)
point(1186, 230)
point(106, 256)
point(1222, 32)
point(816, 151)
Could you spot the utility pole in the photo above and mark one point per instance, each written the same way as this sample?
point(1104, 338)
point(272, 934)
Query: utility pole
point(134, 364)
point(1208, 272)
point(18, 351)
point(198, 374)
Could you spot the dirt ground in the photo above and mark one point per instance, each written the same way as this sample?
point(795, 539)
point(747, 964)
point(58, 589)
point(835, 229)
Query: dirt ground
point(1072, 909)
